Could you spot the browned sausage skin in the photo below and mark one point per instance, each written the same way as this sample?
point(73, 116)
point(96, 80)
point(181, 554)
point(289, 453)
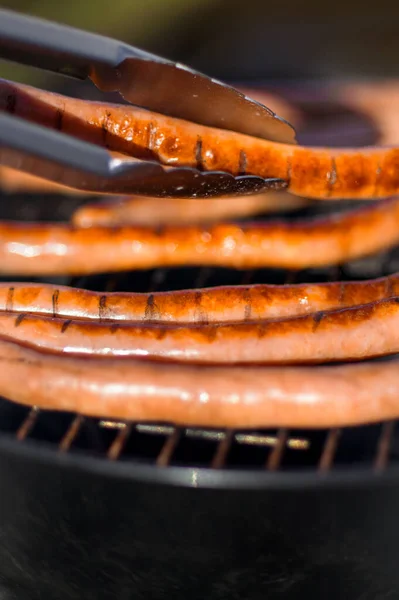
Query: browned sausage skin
point(50, 249)
point(154, 212)
point(192, 395)
point(349, 334)
point(209, 305)
point(313, 172)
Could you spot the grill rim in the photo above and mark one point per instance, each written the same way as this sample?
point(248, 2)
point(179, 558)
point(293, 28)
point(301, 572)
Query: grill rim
point(200, 477)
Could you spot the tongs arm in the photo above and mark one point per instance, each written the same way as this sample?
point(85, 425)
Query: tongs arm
point(141, 78)
point(64, 159)
point(65, 50)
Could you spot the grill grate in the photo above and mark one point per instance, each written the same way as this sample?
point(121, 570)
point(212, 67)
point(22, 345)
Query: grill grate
point(374, 447)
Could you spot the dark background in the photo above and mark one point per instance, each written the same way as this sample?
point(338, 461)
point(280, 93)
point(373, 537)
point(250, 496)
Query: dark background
point(235, 39)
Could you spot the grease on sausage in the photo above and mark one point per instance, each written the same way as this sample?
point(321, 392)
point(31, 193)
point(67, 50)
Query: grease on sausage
point(189, 395)
point(209, 305)
point(323, 173)
point(54, 249)
point(353, 333)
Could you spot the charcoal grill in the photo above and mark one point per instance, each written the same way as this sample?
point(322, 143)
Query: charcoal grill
point(92, 508)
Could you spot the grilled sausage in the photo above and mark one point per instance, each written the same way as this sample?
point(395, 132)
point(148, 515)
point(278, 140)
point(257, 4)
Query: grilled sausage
point(153, 212)
point(377, 99)
point(210, 305)
point(322, 173)
point(236, 397)
point(353, 333)
point(52, 249)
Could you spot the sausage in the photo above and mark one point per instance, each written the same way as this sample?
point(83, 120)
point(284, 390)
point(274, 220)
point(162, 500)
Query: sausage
point(180, 211)
point(353, 333)
point(377, 99)
point(202, 396)
point(18, 181)
point(209, 305)
point(54, 249)
point(13, 181)
point(321, 173)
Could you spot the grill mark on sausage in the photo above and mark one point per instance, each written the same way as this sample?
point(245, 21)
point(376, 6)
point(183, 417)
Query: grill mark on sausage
point(19, 319)
point(161, 333)
point(10, 299)
point(102, 307)
point(54, 302)
point(210, 332)
point(65, 325)
point(317, 318)
point(261, 330)
point(201, 315)
point(152, 311)
point(159, 230)
point(198, 153)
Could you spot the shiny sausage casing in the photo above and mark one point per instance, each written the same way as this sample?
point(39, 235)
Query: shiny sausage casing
point(54, 249)
point(323, 173)
point(217, 304)
point(189, 395)
point(353, 333)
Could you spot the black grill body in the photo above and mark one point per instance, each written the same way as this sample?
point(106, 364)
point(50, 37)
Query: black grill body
point(74, 529)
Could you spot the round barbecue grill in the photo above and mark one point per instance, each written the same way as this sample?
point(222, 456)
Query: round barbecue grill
point(93, 508)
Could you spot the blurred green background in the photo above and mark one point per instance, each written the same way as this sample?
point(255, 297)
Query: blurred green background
point(241, 40)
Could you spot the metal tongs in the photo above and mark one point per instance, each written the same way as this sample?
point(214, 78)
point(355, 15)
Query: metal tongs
point(142, 79)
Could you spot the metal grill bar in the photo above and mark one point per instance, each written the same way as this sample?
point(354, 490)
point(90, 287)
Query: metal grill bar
point(71, 433)
point(329, 450)
point(223, 450)
point(27, 424)
point(276, 455)
point(120, 440)
point(165, 455)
